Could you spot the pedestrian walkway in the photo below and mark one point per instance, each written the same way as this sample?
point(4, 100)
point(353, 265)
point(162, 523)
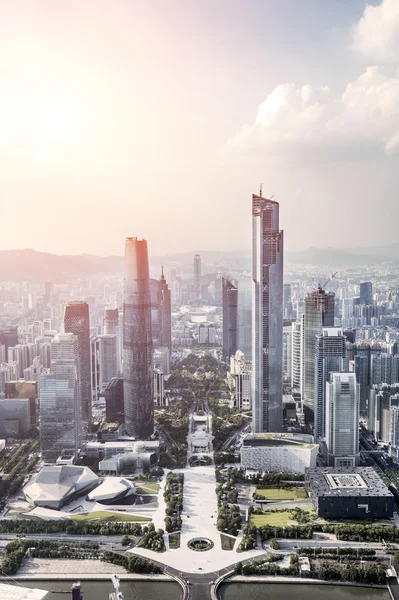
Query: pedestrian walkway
point(199, 516)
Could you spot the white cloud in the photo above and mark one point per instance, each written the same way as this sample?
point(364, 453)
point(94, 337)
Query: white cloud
point(376, 35)
point(363, 121)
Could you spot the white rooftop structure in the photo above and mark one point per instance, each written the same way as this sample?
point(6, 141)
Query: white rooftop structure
point(54, 486)
point(112, 488)
point(18, 592)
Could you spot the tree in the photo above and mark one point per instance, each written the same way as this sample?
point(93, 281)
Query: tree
point(273, 544)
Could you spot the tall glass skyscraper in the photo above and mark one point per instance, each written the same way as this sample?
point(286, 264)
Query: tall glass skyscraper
point(137, 342)
point(197, 274)
point(77, 321)
point(60, 409)
point(267, 316)
point(244, 316)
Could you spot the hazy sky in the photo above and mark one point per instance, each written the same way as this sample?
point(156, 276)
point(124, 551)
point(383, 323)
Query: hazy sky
point(160, 118)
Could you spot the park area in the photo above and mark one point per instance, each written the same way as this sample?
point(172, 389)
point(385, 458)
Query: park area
point(279, 494)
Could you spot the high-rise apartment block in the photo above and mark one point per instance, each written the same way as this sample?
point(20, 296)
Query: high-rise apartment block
point(267, 316)
point(342, 420)
point(60, 407)
point(229, 304)
point(137, 342)
point(112, 327)
point(77, 321)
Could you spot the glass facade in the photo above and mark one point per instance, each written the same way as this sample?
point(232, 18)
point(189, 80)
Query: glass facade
point(267, 316)
point(60, 409)
point(137, 342)
point(77, 321)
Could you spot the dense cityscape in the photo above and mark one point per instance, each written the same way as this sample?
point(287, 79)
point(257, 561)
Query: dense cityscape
point(212, 422)
point(199, 300)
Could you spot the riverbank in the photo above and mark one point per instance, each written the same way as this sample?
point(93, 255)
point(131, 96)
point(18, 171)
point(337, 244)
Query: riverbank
point(294, 580)
point(88, 577)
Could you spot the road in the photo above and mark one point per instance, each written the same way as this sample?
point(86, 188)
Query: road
point(112, 539)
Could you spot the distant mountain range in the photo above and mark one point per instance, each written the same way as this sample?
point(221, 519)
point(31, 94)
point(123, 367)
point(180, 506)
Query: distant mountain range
point(30, 265)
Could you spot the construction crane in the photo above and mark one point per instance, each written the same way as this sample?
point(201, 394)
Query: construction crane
point(117, 594)
point(321, 287)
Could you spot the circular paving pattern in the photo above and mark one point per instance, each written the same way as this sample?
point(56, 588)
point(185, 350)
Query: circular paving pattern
point(200, 544)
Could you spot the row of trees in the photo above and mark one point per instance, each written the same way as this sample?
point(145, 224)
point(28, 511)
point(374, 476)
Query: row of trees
point(372, 573)
point(249, 535)
point(16, 550)
point(132, 563)
point(152, 540)
point(173, 496)
point(70, 527)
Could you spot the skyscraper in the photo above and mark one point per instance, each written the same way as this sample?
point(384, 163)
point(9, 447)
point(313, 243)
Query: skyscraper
point(319, 313)
point(342, 420)
point(244, 317)
point(137, 342)
point(197, 274)
point(111, 327)
point(77, 321)
point(267, 315)
point(330, 357)
point(60, 409)
point(229, 308)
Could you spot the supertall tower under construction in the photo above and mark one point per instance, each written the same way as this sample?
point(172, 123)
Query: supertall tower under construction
point(267, 315)
point(137, 342)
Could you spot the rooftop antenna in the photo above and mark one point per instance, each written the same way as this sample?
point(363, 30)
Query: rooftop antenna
point(117, 594)
point(260, 190)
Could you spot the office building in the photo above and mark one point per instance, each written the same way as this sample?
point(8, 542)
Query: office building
point(281, 452)
point(162, 360)
point(267, 316)
point(21, 388)
point(159, 389)
point(197, 274)
point(60, 407)
point(319, 313)
point(379, 413)
point(330, 357)
point(137, 342)
point(112, 327)
point(108, 359)
point(342, 420)
point(229, 309)
point(77, 321)
point(287, 302)
point(239, 380)
point(349, 493)
point(8, 336)
point(362, 377)
point(244, 317)
point(15, 417)
point(366, 293)
point(114, 403)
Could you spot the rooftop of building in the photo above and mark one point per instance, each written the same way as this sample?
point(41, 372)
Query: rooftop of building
point(54, 483)
point(356, 481)
point(279, 439)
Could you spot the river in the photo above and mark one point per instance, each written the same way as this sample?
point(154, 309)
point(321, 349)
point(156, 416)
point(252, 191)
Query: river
point(287, 591)
point(147, 590)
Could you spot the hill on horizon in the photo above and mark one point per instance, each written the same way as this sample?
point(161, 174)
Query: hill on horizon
point(31, 265)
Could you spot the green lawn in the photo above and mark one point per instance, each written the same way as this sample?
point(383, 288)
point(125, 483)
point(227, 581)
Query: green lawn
point(296, 493)
point(278, 519)
point(148, 488)
point(103, 515)
point(227, 542)
point(174, 541)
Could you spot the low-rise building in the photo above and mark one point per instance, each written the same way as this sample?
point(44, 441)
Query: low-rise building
point(280, 452)
point(353, 493)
